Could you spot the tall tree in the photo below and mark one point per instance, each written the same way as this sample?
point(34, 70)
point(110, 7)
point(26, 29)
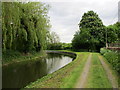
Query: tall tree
point(91, 34)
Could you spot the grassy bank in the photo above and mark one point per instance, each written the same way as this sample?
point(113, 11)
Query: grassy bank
point(113, 60)
point(112, 57)
point(63, 78)
point(9, 57)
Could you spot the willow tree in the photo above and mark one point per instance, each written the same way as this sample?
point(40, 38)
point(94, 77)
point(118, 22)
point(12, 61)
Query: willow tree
point(24, 26)
point(91, 35)
point(10, 14)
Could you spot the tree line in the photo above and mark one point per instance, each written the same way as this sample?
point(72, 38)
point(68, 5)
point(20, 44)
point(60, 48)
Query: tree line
point(92, 34)
point(25, 28)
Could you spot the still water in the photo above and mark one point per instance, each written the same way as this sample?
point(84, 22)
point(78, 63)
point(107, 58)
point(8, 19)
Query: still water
point(20, 74)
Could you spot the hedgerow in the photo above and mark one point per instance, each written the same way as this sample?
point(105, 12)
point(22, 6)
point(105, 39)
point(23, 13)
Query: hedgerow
point(112, 57)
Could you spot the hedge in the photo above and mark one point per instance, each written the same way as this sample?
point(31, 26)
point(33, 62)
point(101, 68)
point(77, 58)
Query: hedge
point(112, 57)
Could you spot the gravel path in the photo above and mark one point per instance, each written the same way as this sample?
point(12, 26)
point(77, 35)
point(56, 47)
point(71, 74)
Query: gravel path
point(83, 78)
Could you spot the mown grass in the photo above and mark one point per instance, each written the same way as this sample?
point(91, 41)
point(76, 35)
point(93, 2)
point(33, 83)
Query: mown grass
point(97, 76)
point(65, 77)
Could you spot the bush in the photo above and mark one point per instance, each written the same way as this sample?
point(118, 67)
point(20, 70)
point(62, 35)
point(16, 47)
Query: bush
point(112, 57)
point(103, 51)
point(59, 46)
point(8, 55)
point(66, 46)
point(55, 46)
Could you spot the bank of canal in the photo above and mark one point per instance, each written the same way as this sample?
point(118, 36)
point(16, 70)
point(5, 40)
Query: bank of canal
point(18, 75)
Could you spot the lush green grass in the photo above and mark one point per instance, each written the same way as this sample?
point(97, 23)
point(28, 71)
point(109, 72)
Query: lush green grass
point(114, 72)
point(97, 76)
point(63, 78)
point(112, 58)
point(9, 57)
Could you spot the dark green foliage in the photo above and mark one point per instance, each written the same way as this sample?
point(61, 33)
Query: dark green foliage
point(59, 46)
point(90, 20)
point(113, 33)
point(92, 33)
point(113, 57)
point(10, 56)
point(24, 26)
point(118, 29)
point(55, 46)
point(66, 46)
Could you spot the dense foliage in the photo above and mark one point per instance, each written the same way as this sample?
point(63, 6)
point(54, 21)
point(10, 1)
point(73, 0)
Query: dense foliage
point(113, 33)
point(24, 26)
point(67, 46)
point(91, 35)
point(60, 46)
point(55, 46)
point(113, 57)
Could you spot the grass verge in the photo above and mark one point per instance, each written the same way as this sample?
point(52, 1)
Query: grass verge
point(114, 72)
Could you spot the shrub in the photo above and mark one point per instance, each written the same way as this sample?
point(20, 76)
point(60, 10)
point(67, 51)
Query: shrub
point(55, 46)
point(66, 46)
point(103, 51)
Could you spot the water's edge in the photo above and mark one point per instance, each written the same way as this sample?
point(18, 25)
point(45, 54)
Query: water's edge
point(26, 68)
point(72, 54)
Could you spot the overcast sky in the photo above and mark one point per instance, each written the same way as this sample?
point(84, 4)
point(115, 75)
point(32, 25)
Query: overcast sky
point(65, 15)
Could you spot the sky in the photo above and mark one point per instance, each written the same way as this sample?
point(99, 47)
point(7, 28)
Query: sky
point(65, 15)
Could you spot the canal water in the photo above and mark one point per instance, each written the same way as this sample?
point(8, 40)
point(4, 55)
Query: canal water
point(18, 75)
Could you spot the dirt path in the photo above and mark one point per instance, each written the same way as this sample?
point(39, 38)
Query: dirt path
point(111, 78)
point(83, 78)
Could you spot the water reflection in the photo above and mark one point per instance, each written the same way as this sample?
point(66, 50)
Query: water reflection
point(20, 74)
